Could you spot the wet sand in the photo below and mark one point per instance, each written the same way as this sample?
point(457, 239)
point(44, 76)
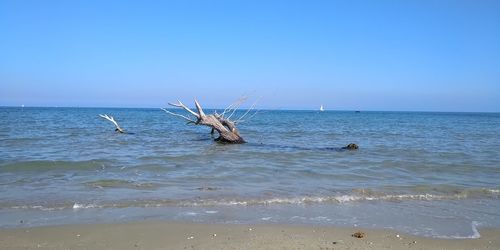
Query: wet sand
point(173, 235)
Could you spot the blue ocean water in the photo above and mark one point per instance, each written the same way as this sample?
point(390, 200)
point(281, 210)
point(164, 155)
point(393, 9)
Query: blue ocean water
point(431, 174)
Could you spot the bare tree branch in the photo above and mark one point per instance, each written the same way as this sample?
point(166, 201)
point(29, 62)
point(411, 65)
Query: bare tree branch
point(240, 120)
point(200, 110)
point(250, 117)
point(256, 111)
point(237, 106)
point(179, 115)
point(179, 104)
point(234, 105)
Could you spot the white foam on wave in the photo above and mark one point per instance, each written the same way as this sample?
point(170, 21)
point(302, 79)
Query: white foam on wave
point(324, 199)
point(319, 218)
point(77, 206)
point(301, 200)
point(38, 207)
point(347, 198)
point(475, 233)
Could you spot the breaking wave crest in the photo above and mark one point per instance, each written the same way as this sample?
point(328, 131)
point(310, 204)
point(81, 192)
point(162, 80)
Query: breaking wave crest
point(357, 196)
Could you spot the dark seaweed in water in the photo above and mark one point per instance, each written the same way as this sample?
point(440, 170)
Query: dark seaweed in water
point(350, 146)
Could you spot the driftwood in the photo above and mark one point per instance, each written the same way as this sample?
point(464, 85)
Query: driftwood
point(228, 133)
point(111, 119)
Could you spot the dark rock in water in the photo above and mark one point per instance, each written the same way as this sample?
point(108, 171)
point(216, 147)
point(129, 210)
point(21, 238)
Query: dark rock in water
point(351, 146)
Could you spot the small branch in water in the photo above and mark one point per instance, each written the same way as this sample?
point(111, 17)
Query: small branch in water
point(111, 119)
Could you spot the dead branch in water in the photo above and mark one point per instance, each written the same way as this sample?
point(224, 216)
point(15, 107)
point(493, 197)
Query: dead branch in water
point(111, 119)
point(228, 133)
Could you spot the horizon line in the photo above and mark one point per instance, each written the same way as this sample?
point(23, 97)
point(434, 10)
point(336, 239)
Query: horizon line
point(265, 109)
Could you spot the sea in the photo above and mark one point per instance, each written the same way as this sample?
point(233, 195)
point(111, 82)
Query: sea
point(431, 174)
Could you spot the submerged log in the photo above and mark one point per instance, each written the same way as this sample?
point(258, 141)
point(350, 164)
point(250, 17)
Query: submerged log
point(228, 133)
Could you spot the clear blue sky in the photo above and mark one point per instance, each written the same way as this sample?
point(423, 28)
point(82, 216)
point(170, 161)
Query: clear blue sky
point(348, 55)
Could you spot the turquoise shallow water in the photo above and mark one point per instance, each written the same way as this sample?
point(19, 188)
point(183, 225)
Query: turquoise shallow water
point(433, 174)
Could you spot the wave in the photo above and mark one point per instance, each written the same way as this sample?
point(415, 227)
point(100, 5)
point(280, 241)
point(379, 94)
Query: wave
point(116, 183)
point(475, 233)
point(54, 165)
point(303, 200)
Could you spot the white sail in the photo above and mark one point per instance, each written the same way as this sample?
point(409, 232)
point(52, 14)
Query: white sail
point(321, 108)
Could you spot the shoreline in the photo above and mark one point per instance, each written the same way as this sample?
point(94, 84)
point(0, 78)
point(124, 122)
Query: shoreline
point(176, 235)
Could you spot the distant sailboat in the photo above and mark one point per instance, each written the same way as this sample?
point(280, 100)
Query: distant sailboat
point(321, 108)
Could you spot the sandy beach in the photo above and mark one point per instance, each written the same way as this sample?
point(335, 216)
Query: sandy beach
point(169, 235)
